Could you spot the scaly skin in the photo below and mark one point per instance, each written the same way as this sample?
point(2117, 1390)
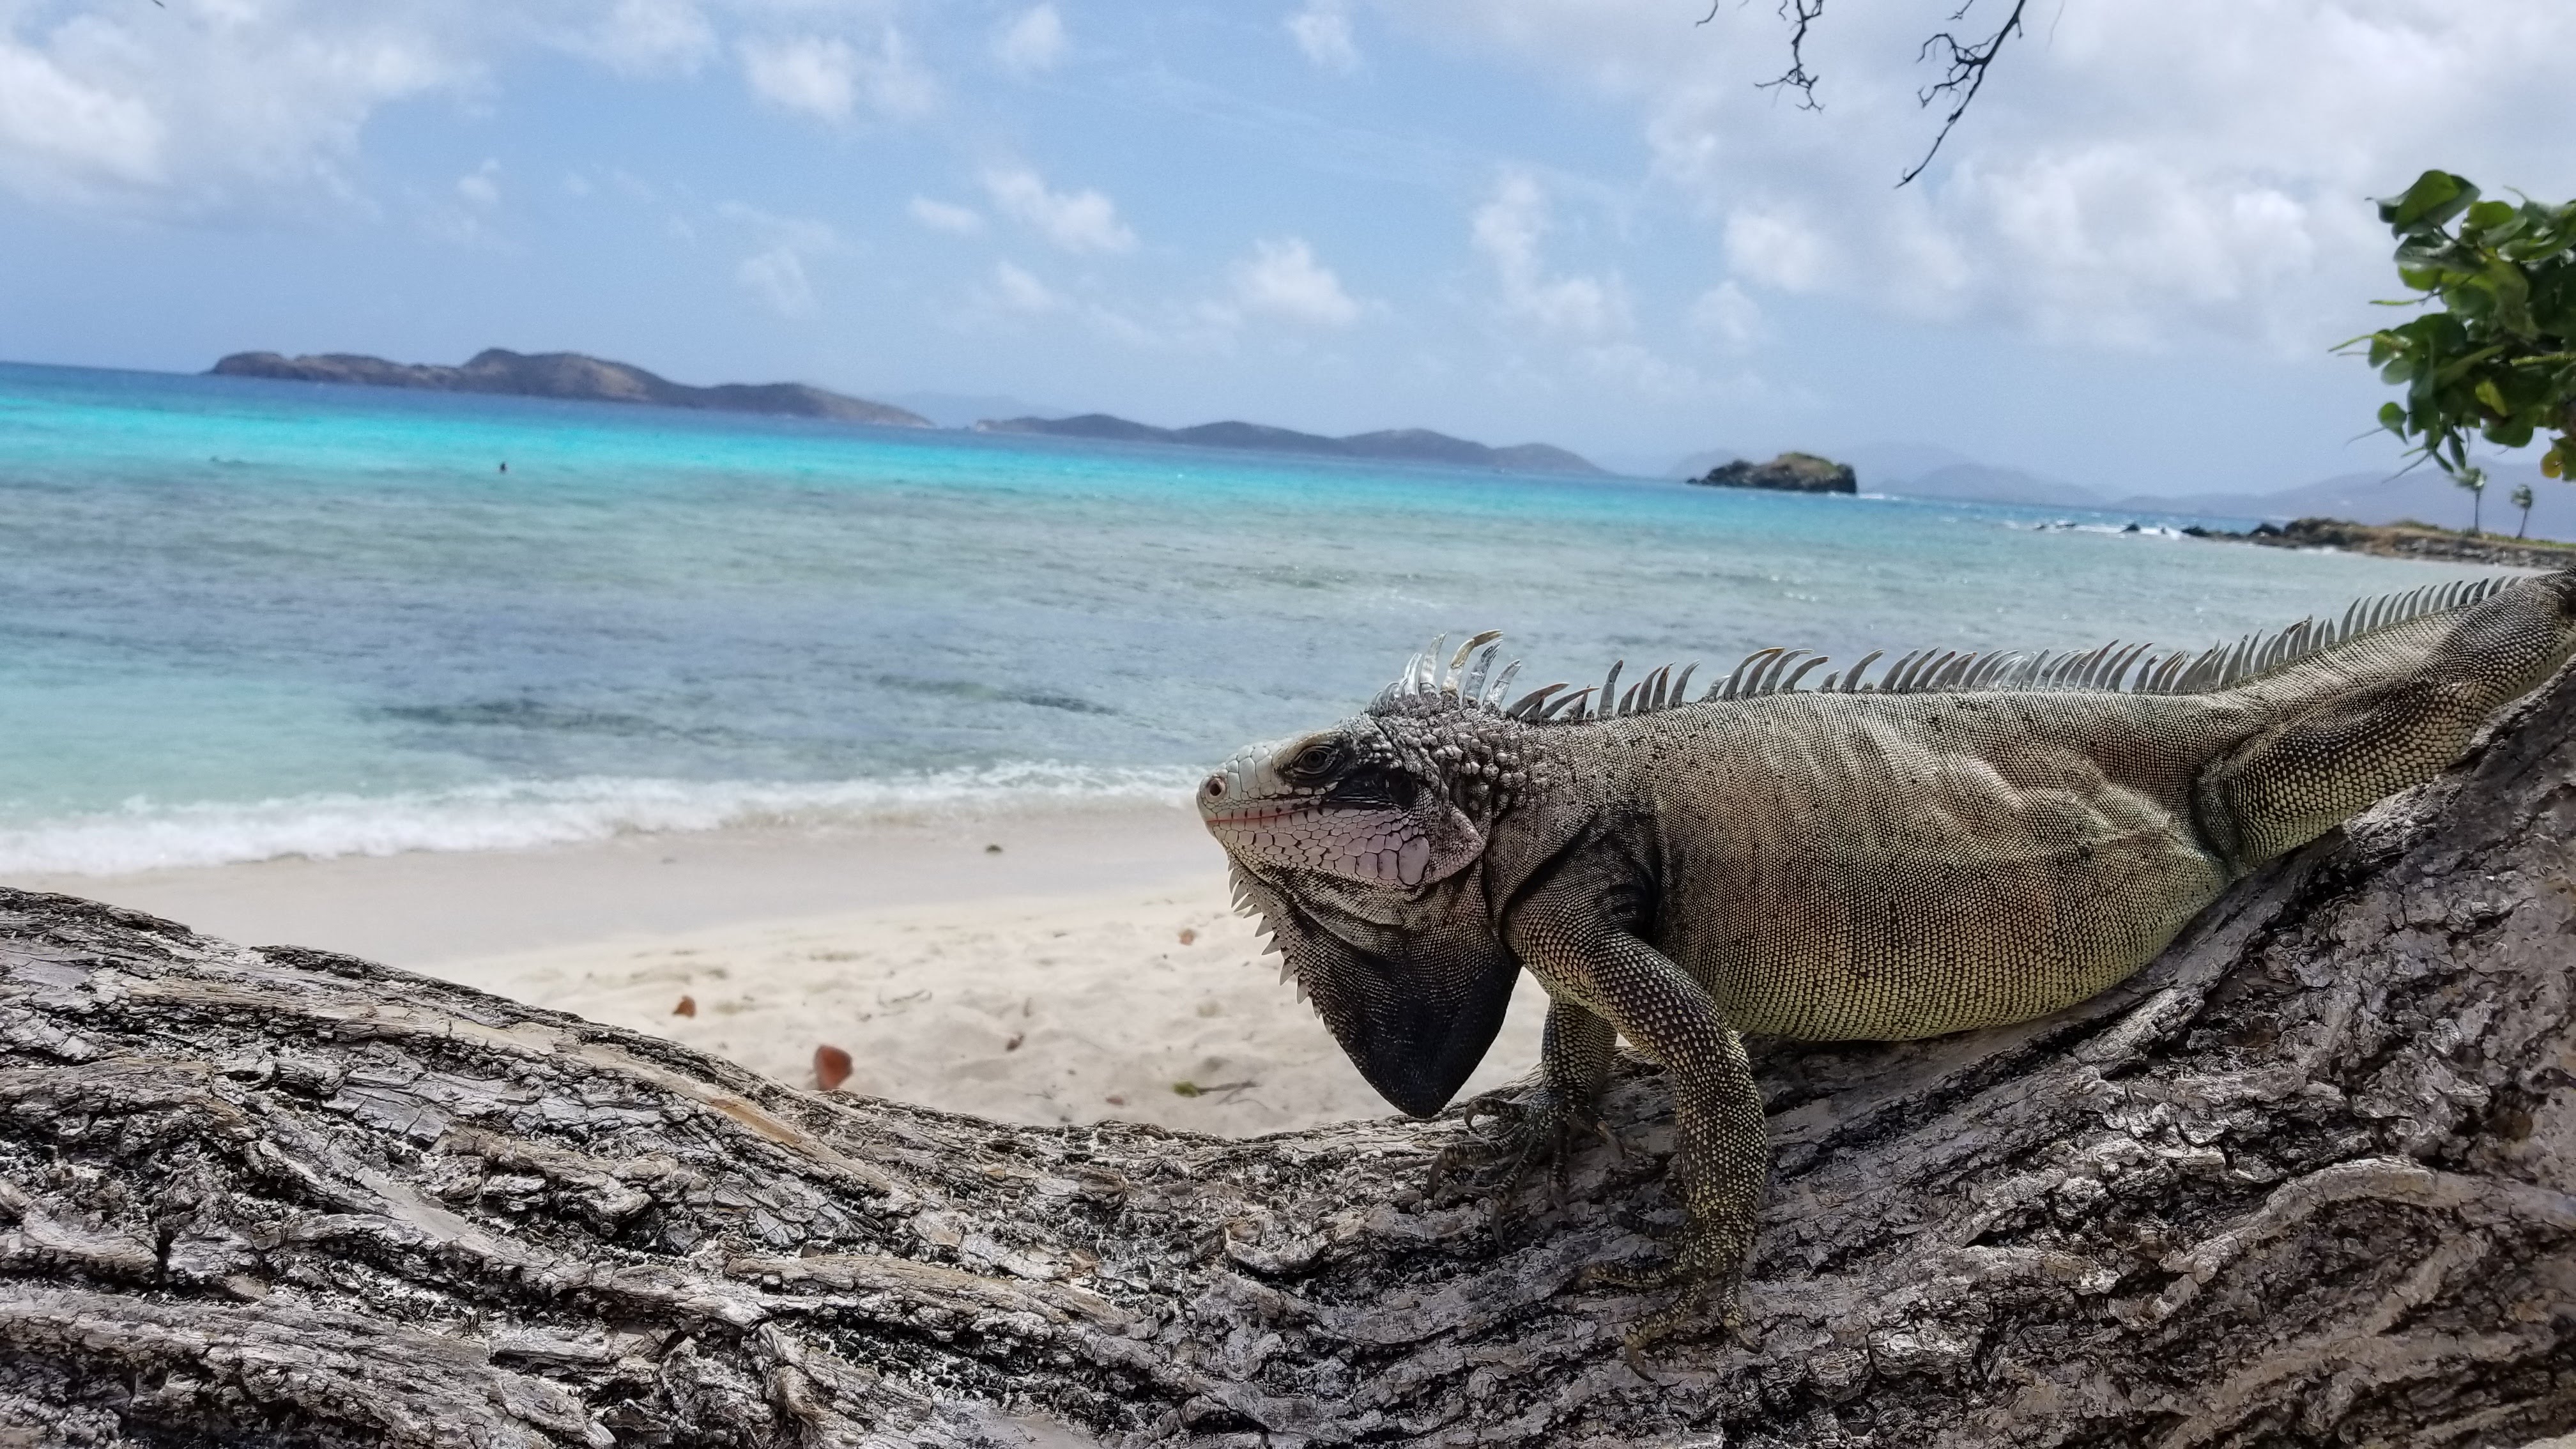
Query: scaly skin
point(1881, 865)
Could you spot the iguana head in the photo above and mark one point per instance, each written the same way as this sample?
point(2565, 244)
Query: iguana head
point(1360, 845)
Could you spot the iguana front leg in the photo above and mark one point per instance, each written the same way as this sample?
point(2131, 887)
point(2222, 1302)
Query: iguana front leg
point(1577, 934)
point(1575, 1053)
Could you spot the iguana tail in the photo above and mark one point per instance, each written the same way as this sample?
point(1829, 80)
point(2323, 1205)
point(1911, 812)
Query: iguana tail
point(2368, 717)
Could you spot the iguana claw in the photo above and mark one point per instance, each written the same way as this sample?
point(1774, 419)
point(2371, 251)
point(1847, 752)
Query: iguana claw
point(1709, 1272)
point(1542, 1130)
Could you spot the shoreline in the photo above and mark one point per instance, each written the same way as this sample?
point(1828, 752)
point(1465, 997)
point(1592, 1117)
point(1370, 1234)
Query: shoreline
point(418, 909)
point(2416, 542)
point(1047, 983)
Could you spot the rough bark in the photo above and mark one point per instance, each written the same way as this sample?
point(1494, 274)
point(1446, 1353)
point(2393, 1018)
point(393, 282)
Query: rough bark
point(2310, 1179)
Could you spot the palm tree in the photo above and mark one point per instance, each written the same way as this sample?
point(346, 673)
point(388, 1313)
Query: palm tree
point(2474, 480)
point(2522, 500)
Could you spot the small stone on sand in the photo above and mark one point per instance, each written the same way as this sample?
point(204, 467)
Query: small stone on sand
point(831, 1067)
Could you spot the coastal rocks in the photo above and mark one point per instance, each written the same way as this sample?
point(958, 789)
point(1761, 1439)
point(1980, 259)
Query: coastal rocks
point(571, 376)
point(2403, 540)
point(1788, 473)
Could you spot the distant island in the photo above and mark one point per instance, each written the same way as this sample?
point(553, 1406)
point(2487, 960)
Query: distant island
point(569, 375)
point(1410, 445)
point(1788, 473)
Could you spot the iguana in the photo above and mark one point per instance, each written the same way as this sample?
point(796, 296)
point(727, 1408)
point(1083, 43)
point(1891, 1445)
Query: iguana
point(1958, 841)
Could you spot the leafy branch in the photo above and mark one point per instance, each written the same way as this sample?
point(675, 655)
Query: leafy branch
point(2499, 357)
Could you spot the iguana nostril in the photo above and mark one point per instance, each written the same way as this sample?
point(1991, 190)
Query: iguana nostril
point(1214, 789)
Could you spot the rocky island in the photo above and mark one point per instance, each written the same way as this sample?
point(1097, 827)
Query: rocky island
point(572, 376)
point(1788, 473)
point(1407, 445)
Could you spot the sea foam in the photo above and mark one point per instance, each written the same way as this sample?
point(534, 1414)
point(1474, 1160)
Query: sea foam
point(144, 835)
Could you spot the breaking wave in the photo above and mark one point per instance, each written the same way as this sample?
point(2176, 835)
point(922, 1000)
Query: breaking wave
point(517, 815)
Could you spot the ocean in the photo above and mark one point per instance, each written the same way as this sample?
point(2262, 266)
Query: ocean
point(244, 619)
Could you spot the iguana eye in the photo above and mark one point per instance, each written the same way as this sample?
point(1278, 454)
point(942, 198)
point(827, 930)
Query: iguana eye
point(1316, 760)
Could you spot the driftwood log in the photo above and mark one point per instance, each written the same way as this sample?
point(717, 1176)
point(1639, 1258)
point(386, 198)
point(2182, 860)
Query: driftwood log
point(2311, 1179)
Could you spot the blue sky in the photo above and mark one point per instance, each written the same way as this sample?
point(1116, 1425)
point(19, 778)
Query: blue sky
point(1570, 220)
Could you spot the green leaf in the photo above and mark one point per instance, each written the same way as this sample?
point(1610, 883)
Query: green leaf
point(2512, 293)
point(2433, 200)
point(2486, 216)
point(2393, 418)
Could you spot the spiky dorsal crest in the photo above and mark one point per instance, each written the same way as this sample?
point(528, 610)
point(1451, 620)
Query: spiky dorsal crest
point(2111, 668)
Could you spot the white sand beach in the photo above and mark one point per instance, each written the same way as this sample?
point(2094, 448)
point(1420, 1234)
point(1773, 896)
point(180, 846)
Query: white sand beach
point(1090, 968)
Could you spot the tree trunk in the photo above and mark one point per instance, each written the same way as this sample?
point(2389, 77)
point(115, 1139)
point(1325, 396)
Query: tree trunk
point(2311, 1178)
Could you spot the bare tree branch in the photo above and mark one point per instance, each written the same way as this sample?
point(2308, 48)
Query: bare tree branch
point(1965, 74)
point(1801, 14)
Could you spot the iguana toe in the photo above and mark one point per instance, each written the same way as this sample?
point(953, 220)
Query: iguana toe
point(1708, 1272)
point(1542, 1131)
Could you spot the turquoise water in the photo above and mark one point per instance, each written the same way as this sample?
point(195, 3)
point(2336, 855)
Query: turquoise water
point(241, 619)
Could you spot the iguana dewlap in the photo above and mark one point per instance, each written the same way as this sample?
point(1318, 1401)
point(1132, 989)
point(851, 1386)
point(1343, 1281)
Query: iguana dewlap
point(1956, 841)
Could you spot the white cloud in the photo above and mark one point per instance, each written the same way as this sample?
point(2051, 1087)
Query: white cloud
point(1727, 316)
point(1077, 221)
point(215, 106)
point(1015, 290)
point(815, 74)
point(1778, 247)
point(1032, 42)
point(1507, 231)
point(201, 108)
point(945, 216)
point(827, 77)
point(481, 187)
point(59, 130)
point(1282, 279)
point(777, 278)
point(1578, 326)
point(652, 37)
point(774, 273)
point(1322, 29)
point(2135, 174)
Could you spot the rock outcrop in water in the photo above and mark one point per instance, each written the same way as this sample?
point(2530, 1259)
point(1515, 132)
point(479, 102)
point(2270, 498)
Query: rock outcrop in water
point(2308, 1179)
point(1788, 473)
point(571, 376)
point(1407, 445)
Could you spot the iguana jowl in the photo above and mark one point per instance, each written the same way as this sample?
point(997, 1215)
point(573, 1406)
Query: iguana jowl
point(1959, 842)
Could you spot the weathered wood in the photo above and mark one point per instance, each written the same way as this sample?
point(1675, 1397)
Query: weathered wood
point(2309, 1179)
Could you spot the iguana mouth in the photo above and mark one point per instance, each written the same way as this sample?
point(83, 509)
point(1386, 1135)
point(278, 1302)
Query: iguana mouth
point(1372, 845)
point(1250, 815)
